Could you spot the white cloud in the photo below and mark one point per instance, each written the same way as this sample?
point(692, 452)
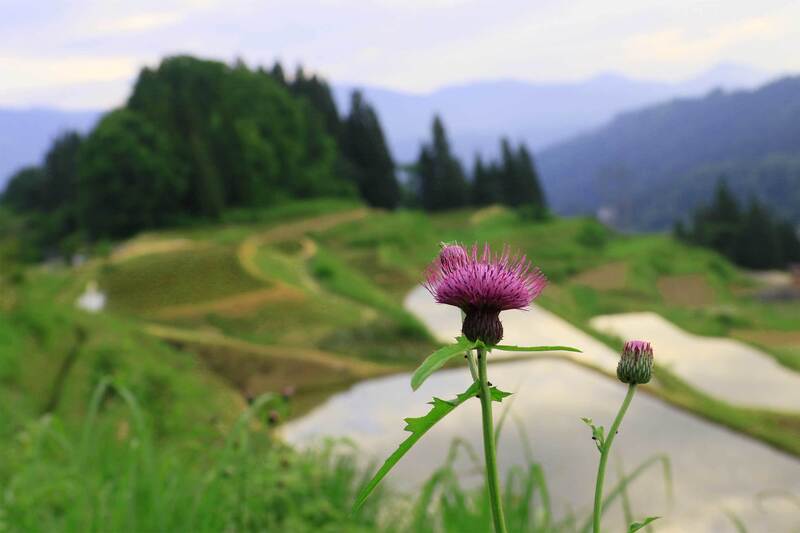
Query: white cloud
point(138, 22)
point(675, 45)
point(405, 44)
point(21, 72)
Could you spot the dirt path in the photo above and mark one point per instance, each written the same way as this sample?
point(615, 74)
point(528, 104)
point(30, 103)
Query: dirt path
point(141, 247)
point(248, 249)
point(236, 305)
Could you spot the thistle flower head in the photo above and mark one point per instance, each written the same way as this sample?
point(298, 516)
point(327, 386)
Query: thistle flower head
point(636, 364)
point(482, 284)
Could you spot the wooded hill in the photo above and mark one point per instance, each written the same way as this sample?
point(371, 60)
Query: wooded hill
point(198, 138)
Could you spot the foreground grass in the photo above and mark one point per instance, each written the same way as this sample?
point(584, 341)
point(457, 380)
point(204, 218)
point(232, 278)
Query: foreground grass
point(112, 477)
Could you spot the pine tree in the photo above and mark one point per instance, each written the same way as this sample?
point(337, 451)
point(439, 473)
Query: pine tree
point(719, 224)
point(442, 184)
point(507, 177)
point(129, 179)
point(485, 184)
point(367, 155)
point(530, 187)
point(61, 170)
point(753, 238)
point(757, 242)
point(278, 74)
point(789, 243)
point(318, 93)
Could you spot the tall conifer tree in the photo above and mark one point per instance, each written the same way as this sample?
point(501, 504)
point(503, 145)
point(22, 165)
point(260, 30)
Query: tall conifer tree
point(364, 147)
point(442, 184)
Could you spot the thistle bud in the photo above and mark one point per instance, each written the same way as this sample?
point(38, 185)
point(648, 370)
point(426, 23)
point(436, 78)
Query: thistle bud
point(636, 364)
point(451, 255)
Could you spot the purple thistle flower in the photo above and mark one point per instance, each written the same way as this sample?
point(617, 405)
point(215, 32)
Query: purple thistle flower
point(636, 364)
point(482, 285)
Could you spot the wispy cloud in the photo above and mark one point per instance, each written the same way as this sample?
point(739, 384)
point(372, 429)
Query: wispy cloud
point(405, 44)
point(134, 23)
point(676, 45)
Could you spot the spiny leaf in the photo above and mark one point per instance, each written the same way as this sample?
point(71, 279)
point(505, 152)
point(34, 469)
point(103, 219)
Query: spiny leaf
point(636, 526)
point(418, 427)
point(498, 395)
point(598, 433)
point(437, 359)
point(506, 348)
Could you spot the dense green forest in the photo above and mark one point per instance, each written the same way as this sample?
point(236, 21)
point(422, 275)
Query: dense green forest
point(198, 138)
point(676, 151)
point(750, 236)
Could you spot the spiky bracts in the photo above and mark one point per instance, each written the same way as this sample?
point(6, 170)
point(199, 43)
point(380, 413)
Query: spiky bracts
point(482, 284)
point(636, 364)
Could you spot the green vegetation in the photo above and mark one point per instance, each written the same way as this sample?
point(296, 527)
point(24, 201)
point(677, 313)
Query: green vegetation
point(752, 238)
point(196, 138)
point(191, 333)
point(442, 183)
point(200, 141)
point(184, 277)
point(365, 150)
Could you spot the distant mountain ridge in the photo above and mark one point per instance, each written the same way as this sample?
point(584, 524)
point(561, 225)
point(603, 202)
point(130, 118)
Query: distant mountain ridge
point(647, 168)
point(540, 114)
point(476, 114)
point(26, 134)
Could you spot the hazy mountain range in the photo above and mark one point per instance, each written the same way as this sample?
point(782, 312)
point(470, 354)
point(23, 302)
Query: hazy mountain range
point(641, 153)
point(651, 166)
point(476, 114)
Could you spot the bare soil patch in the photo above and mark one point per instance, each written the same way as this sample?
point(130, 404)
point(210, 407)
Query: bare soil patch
point(768, 337)
point(689, 290)
point(608, 277)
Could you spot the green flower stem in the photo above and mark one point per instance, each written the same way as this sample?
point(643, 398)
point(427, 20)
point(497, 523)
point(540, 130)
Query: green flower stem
point(492, 478)
point(473, 365)
point(604, 452)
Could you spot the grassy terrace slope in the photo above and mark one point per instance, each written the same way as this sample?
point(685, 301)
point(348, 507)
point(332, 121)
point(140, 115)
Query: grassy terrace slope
point(310, 296)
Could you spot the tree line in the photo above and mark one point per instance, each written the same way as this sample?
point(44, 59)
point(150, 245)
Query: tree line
point(750, 235)
point(438, 180)
point(198, 137)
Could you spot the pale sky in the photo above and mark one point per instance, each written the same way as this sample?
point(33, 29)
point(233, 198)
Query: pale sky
point(84, 54)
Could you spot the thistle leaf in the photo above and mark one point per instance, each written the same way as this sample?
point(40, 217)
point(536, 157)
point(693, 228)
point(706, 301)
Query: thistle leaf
point(598, 433)
point(506, 348)
point(636, 526)
point(418, 427)
point(437, 359)
point(498, 395)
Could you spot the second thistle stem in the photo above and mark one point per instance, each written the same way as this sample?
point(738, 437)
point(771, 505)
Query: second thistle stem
point(492, 477)
point(604, 452)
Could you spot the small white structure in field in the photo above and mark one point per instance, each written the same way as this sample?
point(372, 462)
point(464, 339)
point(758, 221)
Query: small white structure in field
point(92, 300)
